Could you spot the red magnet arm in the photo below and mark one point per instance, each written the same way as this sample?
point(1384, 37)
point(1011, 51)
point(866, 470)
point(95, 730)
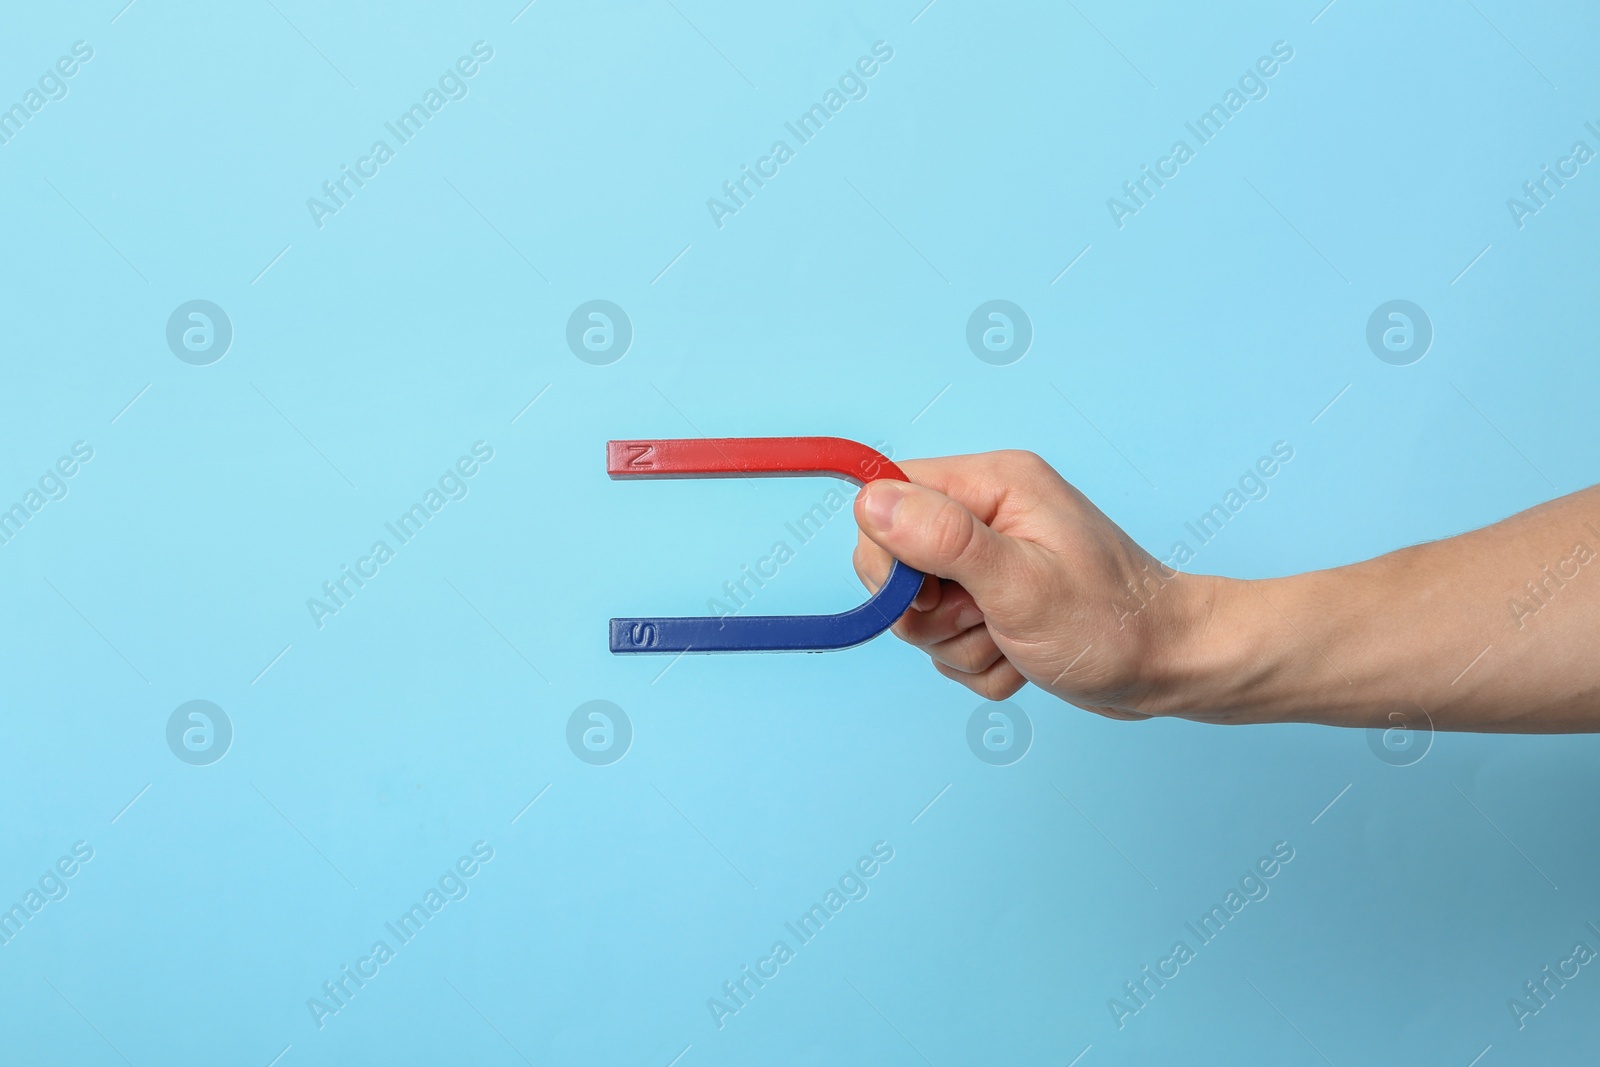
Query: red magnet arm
point(729, 456)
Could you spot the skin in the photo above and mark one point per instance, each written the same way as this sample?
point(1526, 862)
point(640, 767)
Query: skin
point(1492, 630)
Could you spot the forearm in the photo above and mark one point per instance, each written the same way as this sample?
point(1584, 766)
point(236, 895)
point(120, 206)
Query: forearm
point(1495, 630)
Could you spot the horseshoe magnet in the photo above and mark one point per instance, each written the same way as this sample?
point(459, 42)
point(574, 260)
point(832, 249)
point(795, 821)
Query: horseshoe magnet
point(729, 457)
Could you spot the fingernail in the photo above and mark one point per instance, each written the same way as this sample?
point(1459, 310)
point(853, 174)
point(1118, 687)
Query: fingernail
point(879, 507)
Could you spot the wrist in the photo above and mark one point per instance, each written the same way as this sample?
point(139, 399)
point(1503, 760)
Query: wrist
point(1218, 655)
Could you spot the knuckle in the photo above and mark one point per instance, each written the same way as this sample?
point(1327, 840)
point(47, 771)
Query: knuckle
point(1035, 469)
point(949, 531)
point(1024, 460)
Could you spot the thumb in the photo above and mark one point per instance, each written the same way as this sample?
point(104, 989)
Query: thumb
point(937, 535)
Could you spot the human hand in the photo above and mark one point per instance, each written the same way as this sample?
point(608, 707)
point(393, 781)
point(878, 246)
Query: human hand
point(1029, 582)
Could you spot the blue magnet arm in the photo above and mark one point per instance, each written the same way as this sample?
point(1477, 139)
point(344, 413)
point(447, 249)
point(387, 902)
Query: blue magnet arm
point(773, 633)
point(743, 457)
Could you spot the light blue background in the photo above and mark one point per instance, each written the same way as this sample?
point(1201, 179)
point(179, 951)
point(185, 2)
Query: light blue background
point(371, 353)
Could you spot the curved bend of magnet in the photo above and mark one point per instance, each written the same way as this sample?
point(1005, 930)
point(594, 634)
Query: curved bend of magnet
point(731, 457)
